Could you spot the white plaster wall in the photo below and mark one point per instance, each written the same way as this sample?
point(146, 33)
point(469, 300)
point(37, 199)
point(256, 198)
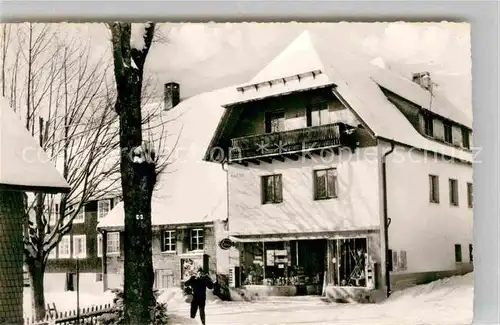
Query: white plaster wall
point(357, 206)
point(427, 231)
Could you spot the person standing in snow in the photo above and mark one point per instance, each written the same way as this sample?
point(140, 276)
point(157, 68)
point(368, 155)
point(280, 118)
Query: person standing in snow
point(199, 284)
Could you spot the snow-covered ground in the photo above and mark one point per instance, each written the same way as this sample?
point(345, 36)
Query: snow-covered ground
point(447, 301)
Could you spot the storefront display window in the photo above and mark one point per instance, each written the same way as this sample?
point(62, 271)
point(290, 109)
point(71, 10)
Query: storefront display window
point(284, 263)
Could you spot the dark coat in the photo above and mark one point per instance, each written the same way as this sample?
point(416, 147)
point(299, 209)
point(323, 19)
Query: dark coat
point(199, 286)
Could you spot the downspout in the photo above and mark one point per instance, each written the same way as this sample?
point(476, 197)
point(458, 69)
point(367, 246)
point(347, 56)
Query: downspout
point(224, 165)
point(226, 169)
point(386, 220)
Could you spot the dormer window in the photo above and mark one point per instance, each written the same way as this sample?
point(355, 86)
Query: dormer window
point(465, 138)
point(429, 126)
point(447, 132)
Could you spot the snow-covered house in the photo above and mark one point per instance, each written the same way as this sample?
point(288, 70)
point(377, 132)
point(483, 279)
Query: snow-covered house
point(24, 167)
point(189, 202)
point(344, 178)
point(84, 241)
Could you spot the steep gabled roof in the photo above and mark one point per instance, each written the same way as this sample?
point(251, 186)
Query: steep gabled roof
point(23, 163)
point(190, 190)
point(358, 84)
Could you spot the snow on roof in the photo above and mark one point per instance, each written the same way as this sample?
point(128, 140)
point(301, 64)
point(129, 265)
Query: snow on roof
point(413, 92)
point(297, 58)
point(379, 62)
point(358, 82)
point(23, 163)
point(190, 190)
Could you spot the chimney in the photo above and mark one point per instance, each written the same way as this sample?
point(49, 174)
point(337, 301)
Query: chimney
point(423, 79)
point(171, 95)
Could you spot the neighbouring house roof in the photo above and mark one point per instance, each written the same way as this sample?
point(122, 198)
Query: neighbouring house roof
point(23, 163)
point(358, 82)
point(190, 190)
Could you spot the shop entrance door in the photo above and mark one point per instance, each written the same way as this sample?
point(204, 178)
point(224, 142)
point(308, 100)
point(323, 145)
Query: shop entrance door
point(348, 264)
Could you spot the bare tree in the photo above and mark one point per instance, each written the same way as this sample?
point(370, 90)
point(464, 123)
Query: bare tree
point(5, 48)
point(138, 174)
point(68, 104)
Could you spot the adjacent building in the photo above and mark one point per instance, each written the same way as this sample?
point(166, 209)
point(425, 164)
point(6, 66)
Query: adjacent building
point(82, 243)
point(189, 206)
point(344, 178)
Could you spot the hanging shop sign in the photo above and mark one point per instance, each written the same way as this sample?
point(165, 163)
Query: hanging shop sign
point(225, 243)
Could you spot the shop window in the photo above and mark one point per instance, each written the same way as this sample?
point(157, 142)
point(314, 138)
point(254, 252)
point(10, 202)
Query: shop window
point(252, 266)
point(349, 262)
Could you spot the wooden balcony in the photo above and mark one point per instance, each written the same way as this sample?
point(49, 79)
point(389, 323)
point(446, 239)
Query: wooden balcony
point(277, 145)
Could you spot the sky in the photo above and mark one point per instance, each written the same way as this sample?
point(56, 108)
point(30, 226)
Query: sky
point(203, 57)
point(200, 56)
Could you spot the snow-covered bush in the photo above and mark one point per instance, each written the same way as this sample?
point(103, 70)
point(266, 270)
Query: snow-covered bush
point(116, 315)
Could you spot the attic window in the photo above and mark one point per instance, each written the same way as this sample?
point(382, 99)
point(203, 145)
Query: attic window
point(428, 125)
point(465, 138)
point(447, 132)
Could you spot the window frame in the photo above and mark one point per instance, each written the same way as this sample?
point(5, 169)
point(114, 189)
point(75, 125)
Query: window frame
point(448, 132)
point(60, 245)
point(109, 242)
point(53, 253)
point(318, 107)
point(465, 138)
point(434, 189)
point(470, 195)
point(453, 192)
point(191, 237)
point(264, 189)
point(269, 117)
point(108, 201)
point(84, 244)
point(402, 261)
point(172, 241)
point(428, 125)
point(458, 253)
point(80, 216)
point(327, 195)
point(53, 215)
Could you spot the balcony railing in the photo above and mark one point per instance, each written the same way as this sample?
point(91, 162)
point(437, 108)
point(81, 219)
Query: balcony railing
point(291, 142)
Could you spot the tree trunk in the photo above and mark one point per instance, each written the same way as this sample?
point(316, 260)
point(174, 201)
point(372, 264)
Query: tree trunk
point(137, 182)
point(138, 177)
point(36, 271)
point(138, 264)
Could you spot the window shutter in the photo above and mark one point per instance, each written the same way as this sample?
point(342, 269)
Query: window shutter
point(278, 188)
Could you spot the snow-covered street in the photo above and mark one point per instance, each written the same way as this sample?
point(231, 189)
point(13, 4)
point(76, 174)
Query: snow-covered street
point(442, 302)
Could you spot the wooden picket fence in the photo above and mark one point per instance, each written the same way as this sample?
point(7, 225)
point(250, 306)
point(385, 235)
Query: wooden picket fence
point(88, 316)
